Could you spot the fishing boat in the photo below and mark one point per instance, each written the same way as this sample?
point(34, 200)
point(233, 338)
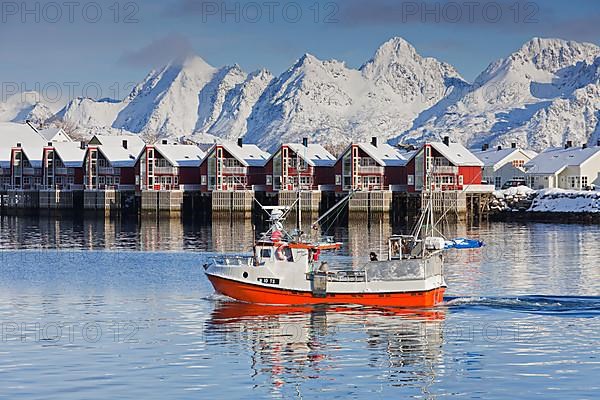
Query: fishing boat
point(286, 268)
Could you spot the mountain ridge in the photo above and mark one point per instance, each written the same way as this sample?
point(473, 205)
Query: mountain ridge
point(543, 93)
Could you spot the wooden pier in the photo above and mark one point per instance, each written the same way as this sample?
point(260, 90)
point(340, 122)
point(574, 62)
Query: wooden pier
point(225, 203)
point(457, 206)
point(369, 202)
point(310, 200)
point(168, 202)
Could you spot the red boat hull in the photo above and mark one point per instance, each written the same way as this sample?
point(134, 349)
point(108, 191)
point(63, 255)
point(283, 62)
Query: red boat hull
point(251, 293)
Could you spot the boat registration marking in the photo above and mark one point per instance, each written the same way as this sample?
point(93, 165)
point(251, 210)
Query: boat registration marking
point(269, 281)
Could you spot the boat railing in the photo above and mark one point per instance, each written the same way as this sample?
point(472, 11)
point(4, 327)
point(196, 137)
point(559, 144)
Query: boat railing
point(393, 270)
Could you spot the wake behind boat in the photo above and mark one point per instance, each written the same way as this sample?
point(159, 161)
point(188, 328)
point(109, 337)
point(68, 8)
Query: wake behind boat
point(286, 269)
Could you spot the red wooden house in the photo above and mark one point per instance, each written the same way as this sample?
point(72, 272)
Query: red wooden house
point(229, 166)
point(370, 166)
point(443, 166)
point(62, 165)
point(300, 166)
point(26, 167)
point(20, 156)
point(109, 162)
point(169, 166)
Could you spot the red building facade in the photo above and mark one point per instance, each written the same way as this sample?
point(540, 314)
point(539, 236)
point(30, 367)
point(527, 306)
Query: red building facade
point(233, 167)
point(62, 166)
point(371, 167)
point(443, 166)
point(300, 167)
point(169, 167)
point(25, 172)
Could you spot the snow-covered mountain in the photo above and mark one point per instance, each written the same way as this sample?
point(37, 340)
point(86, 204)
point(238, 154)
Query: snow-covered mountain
point(540, 96)
point(545, 93)
point(331, 103)
point(183, 98)
point(324, 100)
point(24, 106)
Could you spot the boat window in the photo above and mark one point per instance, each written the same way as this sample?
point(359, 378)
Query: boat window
point(288, 254)
point(395, 249)
point(265, 253)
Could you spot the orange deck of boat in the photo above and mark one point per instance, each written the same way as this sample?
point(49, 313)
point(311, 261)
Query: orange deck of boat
point(252, 293)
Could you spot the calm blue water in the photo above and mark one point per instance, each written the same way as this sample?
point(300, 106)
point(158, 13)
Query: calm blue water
point(95, 309)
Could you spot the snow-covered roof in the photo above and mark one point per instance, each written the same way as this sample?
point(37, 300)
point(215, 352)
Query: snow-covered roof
point(457, 154)
point(249, 155)
point(314, 154)
point(32, 143)
point(384, 154)
point(70, 153)
point(115, 153)
point(181, 155)
point(54, 134)
point(493, 157)
point(554, 160)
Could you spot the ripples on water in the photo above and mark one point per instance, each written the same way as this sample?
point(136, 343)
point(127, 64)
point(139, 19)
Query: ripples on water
point(97, 309)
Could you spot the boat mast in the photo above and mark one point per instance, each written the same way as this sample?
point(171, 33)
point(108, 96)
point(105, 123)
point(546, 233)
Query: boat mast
point(299, 222)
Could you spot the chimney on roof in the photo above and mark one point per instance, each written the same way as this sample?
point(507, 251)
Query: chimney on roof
point(584, 146)
point(305, 142)
point(165, 141)
point(569, 144)
point(125, 143)
point(513, 145)
point(374, 141)
point(485, 147)
point(82, 145)
point(446, 140)
point(241, 142)
point(18, 144)
point(499, 148)
point(49, 144)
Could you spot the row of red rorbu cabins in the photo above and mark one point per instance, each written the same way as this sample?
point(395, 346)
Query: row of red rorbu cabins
point(307, 166)
point(127, 163)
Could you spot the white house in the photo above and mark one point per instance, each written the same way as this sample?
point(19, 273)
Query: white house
point(503, 164)
point(54, 135)
point(570, 167)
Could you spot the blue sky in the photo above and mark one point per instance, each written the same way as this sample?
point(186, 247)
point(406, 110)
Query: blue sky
point(53, 47)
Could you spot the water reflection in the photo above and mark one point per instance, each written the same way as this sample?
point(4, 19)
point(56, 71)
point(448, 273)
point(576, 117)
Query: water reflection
point(291, 344)
point(497, 336)
point(517, 259)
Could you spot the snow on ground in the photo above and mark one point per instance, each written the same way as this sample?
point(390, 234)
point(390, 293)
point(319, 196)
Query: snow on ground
point(513, 199)
point(559, 200)
point(522, 198)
